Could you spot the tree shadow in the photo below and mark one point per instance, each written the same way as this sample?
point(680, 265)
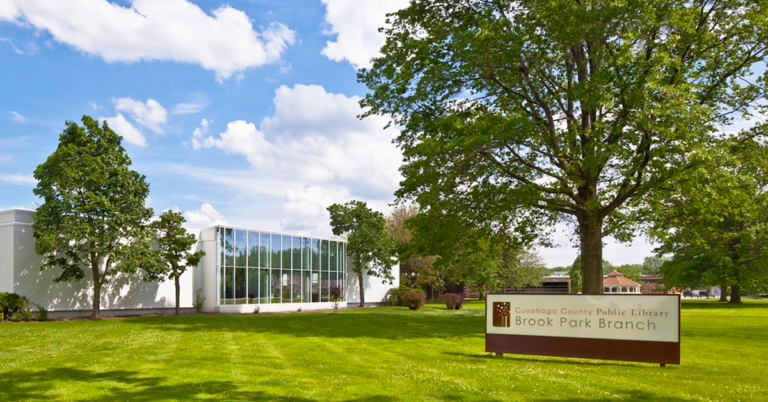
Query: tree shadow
point(129, 386)
point(631, 395)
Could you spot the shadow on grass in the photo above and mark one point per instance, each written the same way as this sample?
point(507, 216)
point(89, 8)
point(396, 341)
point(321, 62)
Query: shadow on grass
point(387, 323)
point(631, 395)
point(127, 386)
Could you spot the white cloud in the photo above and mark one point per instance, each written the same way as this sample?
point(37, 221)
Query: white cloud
point(170, 30)
point(124, 128)
point(355, 24)
point(150, 114)
point(18, 118)
point(315, 138)
point(197, 135)
point(196, 105)
point(204, 217)
point(18, 179)
point(94, 105)
point(10, 42)
point(305, 210)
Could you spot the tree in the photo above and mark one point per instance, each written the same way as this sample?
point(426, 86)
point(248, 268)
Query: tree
point(519, 114)
point(173, 245)
point(713, 222)
point(575, 274)
point(93, 214)
point(652, 264)
point(631, 271)
point(415, 269)
point(369, 245)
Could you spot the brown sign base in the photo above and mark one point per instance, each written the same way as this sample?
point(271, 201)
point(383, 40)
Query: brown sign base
point(602, 349)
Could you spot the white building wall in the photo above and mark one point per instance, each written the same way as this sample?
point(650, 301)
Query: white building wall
point(375, 288)
point(206, 271)
point(123, 291)
point(6, 250)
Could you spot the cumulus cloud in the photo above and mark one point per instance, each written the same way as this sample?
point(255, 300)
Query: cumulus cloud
point(18, 118)
point(150, 114)
point(305, 210)
point(197, 135)
point(125, 129)
point(355, 24)
point(223, 41)
point(315, 138)
point(204, 217)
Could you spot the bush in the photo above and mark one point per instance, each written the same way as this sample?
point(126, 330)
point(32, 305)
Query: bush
point(11, 304)
point(199, 300)
point(414, 300)
point(335, 293)
point(453, 301)
point(394, 295)
point(42, 312)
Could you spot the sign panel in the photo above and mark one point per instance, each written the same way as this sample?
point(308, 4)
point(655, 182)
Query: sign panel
point(613, 327)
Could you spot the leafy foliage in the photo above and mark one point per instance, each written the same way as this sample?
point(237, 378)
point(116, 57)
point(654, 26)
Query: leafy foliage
point(173, 256)
point(415, 269)
point(516, 115)
point(414, 300)
point(93, 213)
point(453, 301)
point(368, 244)
point(11, 304)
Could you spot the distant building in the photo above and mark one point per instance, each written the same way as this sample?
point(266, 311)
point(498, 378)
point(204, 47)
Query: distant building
point(651, 284)
point(616, 283)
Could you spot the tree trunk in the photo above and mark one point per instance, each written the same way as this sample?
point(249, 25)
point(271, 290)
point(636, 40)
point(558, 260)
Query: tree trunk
point(591, 236)
point(178, 290)
point(723, 293)
point(96, 305)
point(362, 289)
point(735, 294)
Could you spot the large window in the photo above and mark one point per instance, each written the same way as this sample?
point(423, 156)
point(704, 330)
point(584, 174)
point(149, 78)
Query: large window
point(257, 267)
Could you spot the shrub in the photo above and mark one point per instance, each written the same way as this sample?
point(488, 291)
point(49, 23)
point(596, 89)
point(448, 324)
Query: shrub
point(414, 300)
point(335, 293)
point(24, 315)
point(394, 295)
point(42, 312)
point(453, 301)
point(11, 304)
point(199, 300)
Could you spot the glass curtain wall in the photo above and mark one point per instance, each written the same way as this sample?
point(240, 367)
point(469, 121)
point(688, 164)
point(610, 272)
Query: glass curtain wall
point(257, 267)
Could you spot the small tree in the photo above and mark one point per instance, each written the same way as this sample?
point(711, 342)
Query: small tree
point(415, 269)
point(93, 214)
point(368, 243)
point(173, 243)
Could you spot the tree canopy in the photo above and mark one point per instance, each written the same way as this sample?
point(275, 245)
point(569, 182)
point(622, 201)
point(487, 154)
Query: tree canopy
point(516, 115)
point(369, 245)
point(93, 216)
point(416, 270)
point(173, 248)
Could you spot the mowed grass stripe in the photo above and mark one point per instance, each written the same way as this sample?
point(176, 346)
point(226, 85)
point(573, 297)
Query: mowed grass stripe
point(380, 354)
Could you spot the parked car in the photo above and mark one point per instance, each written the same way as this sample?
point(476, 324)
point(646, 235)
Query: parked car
point(690, 293)
point(704, 293)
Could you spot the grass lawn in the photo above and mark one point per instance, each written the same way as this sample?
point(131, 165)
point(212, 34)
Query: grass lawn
point(380, 354)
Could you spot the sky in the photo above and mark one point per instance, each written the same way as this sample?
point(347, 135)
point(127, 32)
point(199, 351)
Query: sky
point(241, 112)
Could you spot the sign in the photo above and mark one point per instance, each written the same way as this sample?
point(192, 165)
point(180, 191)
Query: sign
point(642, 328)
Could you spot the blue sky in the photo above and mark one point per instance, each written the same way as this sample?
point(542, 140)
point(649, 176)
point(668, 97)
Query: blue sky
point(238, 112)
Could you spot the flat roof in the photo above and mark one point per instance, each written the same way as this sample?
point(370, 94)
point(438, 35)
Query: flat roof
point(338, 239)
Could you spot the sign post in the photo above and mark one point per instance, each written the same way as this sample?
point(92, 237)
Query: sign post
point(641, 328)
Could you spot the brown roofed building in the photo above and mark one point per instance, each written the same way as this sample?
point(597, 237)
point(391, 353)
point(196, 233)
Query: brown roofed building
point(616, 283)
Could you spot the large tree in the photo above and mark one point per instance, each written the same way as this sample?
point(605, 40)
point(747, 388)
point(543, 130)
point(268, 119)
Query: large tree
point(520, 114)
point(93, 216)
point(415, 269)
point(369, 245)
point(713, 220)
point(173, 248)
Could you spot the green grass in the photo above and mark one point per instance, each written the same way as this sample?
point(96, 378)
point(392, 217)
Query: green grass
point(381, 354)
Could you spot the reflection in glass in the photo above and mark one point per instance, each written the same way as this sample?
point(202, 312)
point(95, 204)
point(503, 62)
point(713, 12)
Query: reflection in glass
point(264, 250)
point(324, 256)
point(240, 286)
point(286, 286)
point(296, 286)
point(315, 287)
point(221, 247)
point(229, 290)
point(334, 282)
point(315, 255)
point(306, 254)
point(306, 297)
point(334, 261)
point(265, 286)
point(222, 288)
point(229, 247)
point(276, 285)
point(253, 285)
point(287, 252)
point(253, 250)
point(296, 252)
point(275, 251)
point(324, 290)
point(240, 248)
